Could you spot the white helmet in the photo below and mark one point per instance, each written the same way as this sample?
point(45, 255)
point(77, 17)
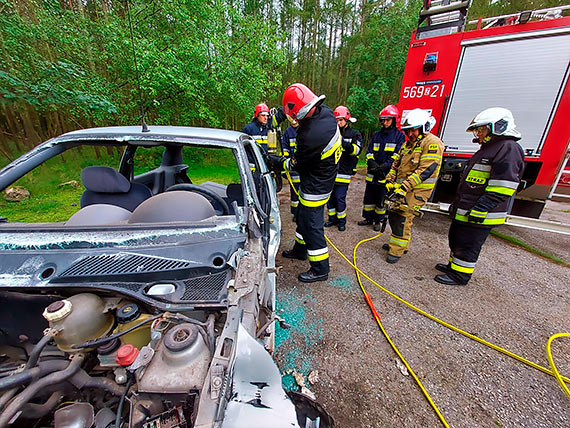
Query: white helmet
point(499, 120)
point(418, 118)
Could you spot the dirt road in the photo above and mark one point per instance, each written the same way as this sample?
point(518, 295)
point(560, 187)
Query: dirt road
point(516, 300)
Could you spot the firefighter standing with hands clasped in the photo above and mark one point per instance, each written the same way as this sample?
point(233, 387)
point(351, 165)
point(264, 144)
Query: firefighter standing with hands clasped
point(412, 178)
point(382, 150)
point(316, 160)
point(351, 147)
point(487, 185)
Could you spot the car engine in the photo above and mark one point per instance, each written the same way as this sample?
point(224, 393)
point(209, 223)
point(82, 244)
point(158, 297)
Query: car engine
point(102, 361)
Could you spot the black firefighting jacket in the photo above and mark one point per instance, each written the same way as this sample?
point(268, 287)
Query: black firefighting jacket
point(319, 146)
point(489, 181)
point(383, 148)
point(289, 142)
point(351, 147)
point(258, 131)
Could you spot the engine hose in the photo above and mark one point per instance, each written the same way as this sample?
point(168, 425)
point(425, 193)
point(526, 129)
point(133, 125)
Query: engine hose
point(32, 389)
point(119, 416)
point(37, 411)
point(28, 375)
point(82, 380)
point(98, 342)
point(38, 348)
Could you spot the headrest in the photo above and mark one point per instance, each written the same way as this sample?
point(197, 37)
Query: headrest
point(103, 179)
point(234, 191)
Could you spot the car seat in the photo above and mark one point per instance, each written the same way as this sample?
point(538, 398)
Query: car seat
point(104, 185)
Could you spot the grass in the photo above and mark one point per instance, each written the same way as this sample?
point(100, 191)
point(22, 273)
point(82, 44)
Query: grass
point(50, 202)
point(519, 243)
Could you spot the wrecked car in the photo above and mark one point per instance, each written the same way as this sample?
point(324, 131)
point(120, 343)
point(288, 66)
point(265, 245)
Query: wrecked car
point(153, 303)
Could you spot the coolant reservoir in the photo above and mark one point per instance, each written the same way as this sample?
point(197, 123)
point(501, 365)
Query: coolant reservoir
point(80, 318)
point(128, 316)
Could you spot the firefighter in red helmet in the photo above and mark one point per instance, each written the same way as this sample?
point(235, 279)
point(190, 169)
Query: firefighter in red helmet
point(258, 126)
point(351, 147)
point(382, 150)
point(319, 146)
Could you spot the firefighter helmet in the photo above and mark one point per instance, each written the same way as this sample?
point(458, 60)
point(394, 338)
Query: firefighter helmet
point(390, 111)
point(342, 111)
point(418, 118)
point(298, 100)
point(499, 120)
point(260, 108)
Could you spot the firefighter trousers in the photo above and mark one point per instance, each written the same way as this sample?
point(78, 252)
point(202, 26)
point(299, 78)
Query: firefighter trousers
point(401, 221)
point(374, 208)
point(465, 243)
point(310, 238)
point(337, 204)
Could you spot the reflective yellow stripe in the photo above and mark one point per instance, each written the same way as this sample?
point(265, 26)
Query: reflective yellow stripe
point(425, 186)
point(461, 268)
point(398, 241)
point(482, 214)
point(294, 204)
point(313, 204)
point(487, 221)
point(369, 156)
point(380, 211)
point(337, 145)
point(368, 208)
point(319, 258)
point(436, 157)
point(342, 180)
point(389, 149)
point(501, 190)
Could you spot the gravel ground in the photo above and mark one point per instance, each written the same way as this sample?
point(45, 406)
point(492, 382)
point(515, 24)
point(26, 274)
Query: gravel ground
point(516, 300)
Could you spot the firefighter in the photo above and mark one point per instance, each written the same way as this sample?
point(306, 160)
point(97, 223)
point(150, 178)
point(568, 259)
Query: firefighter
point(382, 150)
point(319, 145)
point(487, 186)
point(351, 147)
point(289, 145)
point(258, 127)
point(412, 178)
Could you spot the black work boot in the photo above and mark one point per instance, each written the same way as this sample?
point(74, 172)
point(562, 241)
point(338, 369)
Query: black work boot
point(342, 227)
point(330, 223)
point(364, 222)
point(447, 280)
point(392, 259)
point(290, 254)
point(312, 276)
point(377, 226)
point(442, 267)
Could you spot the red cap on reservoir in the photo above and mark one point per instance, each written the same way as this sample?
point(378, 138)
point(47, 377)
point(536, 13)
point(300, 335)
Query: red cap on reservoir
point(126, 355)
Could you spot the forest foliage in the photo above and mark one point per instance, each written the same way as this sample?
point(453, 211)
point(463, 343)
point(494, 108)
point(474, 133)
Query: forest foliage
point(69, 64)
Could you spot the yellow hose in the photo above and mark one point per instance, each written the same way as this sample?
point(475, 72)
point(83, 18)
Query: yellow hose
point(559, 378)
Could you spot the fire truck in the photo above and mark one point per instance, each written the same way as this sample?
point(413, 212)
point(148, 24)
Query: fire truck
point(518, 61)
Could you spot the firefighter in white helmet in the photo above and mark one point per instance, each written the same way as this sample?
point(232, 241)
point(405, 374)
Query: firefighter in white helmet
point(488, 184)
point(412, 178)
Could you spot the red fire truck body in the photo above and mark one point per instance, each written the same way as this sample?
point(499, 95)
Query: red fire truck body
point(522, 67)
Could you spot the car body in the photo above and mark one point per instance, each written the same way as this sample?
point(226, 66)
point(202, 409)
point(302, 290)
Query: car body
point(165, 305)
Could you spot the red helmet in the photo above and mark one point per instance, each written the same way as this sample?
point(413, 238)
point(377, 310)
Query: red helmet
point(260, 108)
point(342, 111)
point(298, 100)
point(390, 111)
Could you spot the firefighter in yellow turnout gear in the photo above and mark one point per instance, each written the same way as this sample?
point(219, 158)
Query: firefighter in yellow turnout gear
point(412, 178)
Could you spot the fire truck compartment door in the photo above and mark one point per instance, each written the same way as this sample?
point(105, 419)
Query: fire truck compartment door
point(526, 76)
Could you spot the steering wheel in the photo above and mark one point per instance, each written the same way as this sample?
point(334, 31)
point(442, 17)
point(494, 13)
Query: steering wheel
point(204, 192)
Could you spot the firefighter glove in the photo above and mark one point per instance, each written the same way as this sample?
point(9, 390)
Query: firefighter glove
point(346, 145)
point(278, 114)
point(372, 166)
point(391, 186)
point(275, 162)
point(400, 192)
point(476, 216)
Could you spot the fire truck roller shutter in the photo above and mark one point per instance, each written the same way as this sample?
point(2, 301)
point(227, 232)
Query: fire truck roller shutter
point(523, 75)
